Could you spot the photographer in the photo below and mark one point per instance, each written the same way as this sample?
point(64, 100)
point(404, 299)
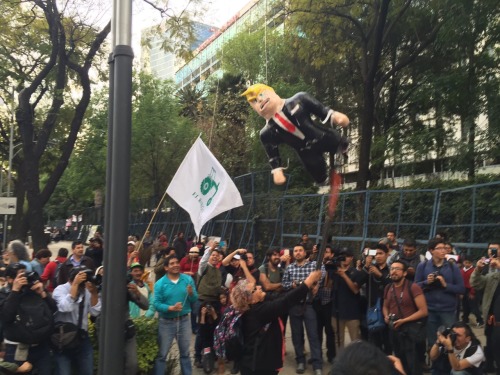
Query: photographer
point(442, 283)
point(26, 312)
point(239, 273)
point(404, 309)
point(459, 348)
point(209, 287)
point(346, 299)
point(75, 300)
point(490, 285)
point(76, 259)
point(375, 275)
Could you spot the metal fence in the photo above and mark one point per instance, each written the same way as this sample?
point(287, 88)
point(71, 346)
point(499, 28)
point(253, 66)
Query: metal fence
point(272, 217)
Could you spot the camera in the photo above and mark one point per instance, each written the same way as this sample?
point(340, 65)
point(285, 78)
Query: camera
point(447, 331)
point(209, 307)
point(334, 263)
point(94, 279)
point(32, 278)
point(240, 256)
point(392, 319)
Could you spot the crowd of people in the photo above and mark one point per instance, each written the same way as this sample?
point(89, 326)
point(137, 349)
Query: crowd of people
point(410, 309)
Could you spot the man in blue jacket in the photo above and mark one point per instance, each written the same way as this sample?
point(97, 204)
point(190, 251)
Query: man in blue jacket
point(174, 294)
point(442, 283)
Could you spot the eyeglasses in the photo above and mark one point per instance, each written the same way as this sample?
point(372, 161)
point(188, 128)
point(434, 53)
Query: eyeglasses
point(440, 248)
point(397, 269)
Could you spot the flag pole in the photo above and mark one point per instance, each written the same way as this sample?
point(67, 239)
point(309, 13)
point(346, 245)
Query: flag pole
point(154, 214)
point(151, 221)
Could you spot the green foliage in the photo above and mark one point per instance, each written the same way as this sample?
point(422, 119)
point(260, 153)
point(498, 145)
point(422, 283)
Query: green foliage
point(147, 343)
point(160, 137)
point(147, 346)
point(160, 140)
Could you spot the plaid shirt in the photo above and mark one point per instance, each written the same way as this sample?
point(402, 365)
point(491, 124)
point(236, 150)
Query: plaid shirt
point(298, 273)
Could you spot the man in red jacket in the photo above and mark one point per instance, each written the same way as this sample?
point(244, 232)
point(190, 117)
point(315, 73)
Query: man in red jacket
point(50, 271)
point(469, 302)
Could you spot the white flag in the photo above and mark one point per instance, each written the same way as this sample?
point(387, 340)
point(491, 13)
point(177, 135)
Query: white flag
point(202, 187)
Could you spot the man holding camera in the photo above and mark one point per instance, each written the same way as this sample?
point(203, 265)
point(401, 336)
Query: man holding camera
point(209, 287)
point(458, 348)
point(26, 313)
point(76, 259)
point(442, 283)
point(75, 300)
point(239, 271)
point(490, 284)
point(375, 275)
point(346, 299)
point(404, 308)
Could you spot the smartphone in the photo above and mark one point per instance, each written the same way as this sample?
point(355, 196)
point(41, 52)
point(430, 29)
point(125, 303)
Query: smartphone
point(372, 252)
point(286, 252)
point(452, 257)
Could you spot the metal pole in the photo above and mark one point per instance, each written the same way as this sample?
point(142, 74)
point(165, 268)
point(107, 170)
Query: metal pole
point(103, 333)
point(9, 178)
point(118, 188)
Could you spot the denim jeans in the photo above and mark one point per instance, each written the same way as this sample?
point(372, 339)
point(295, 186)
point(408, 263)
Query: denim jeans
point(81, 358)
point(301, 315)
point(168, 329)
point(435, 320)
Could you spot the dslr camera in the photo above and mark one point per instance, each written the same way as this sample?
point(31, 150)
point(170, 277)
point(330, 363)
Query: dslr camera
point(94, 279)
point(392, 319)
point(32, 278)
point(334, 263)
point(447, 331)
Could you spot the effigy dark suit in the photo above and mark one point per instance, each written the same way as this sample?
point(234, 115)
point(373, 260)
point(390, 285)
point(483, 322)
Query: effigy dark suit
point(294, 126)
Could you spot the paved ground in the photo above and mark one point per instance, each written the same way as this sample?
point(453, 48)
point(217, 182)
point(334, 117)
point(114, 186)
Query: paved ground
point(289, 367)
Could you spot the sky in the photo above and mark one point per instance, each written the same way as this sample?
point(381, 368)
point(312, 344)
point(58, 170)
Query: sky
point(218, 13)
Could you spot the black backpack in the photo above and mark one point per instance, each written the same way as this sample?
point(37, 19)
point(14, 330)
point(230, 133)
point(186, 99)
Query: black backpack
point(56, 274)
point(34, 321)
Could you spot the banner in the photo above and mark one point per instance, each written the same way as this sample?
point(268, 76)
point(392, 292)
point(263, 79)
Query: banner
point(202, 187)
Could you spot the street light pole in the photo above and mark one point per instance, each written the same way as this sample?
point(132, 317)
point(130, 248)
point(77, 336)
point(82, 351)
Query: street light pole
point(9, 176)
point(118, 189)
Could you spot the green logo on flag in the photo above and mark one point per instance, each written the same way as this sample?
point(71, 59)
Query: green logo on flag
point(208, 184)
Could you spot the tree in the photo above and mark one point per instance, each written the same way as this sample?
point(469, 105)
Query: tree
point(49, 57)
point(160, 137)
point(357, 36)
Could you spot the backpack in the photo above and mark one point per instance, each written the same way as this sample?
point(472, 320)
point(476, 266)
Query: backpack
point(228, 336)
point(34, 321)
point(56, 273)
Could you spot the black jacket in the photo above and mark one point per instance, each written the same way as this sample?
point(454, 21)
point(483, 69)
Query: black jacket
point(264, 349)
point(311, 142)
point(10, 303)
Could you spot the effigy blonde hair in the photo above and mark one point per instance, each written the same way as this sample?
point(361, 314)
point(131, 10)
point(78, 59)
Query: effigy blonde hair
point(241, 296)
point(253, 91)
